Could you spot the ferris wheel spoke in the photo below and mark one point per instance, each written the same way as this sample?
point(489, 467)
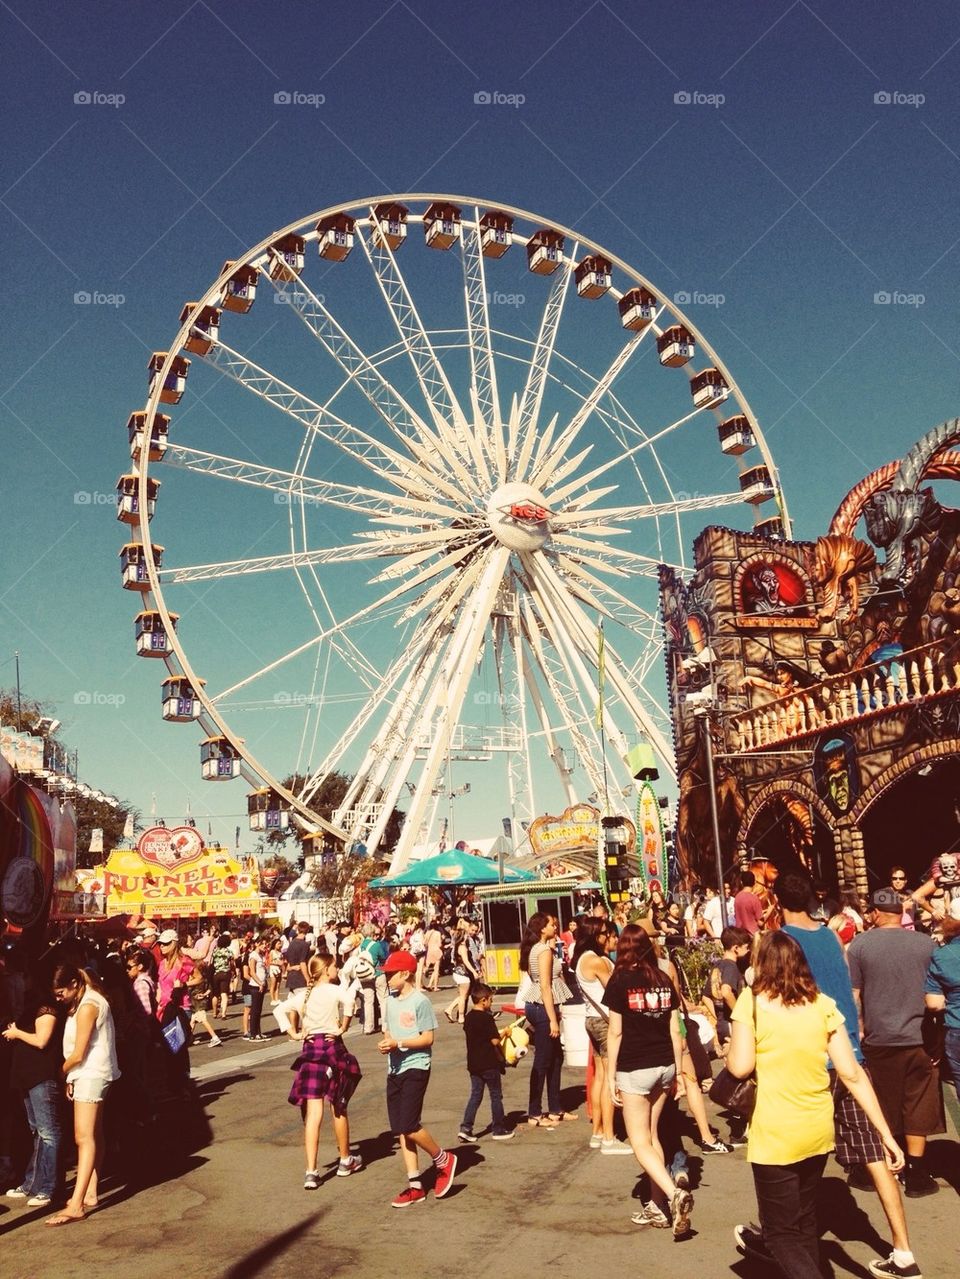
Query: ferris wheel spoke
point(579, 518)
point(483, 372)
point(406, 472)
point(554, 749)
point(338, 628)
point(407, 671)
point(523, 423)
point(546, 458)
point(435, 387)
point(567, 491)
point(296, 487)
point(585, 633)
point(395, 411)
point(363, 809)
point(352, 553)
point(566, 694)
point(436, 721)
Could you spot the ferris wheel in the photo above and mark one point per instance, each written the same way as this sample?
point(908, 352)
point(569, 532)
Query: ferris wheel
point(428, 455)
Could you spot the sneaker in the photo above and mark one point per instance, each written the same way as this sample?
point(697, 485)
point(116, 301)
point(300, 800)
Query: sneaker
point(890, 1267)
point(19, 1193)
point(503, 1136)
point(650, 1216)
point(247, 1038)
point(596, 1140)
point(311, 1181)
point(350, 1165)
point(43, 1201)
point(215, 1042)
point(445, 1176)
point(467, 1138)
point(919, 1183)
point(681, 1205)
point(716, 1147)
point(736, 1141)
point(750, 1242)
point(615, 1147)
point(407, 1198)
point(258, 1038)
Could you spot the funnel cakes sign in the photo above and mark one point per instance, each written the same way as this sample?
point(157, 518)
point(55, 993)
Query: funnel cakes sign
point(207, 882)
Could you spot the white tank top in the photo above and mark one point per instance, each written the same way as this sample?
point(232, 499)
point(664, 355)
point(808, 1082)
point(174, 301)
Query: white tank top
point(592, 989)
point(100, 1059)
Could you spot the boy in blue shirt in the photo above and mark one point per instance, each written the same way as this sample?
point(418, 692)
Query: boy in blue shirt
point(408, 1040)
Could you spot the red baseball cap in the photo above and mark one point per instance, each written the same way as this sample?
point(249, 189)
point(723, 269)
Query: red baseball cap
point(401, 961)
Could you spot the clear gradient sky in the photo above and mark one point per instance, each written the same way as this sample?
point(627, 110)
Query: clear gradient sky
point(811, 174)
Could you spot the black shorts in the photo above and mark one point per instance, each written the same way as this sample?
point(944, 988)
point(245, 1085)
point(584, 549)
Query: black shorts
point(908, 1088)
point(220, 983)
point(405, 1094)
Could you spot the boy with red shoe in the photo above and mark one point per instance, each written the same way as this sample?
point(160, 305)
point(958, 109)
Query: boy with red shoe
point(408, 1040)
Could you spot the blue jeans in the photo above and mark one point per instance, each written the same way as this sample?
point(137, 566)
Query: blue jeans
point(547, 1063)
point(951, 1050)
point(42, 1104)
point(490, 1079)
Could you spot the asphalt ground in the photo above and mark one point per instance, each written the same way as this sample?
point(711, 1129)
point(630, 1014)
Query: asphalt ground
point(236, 1209)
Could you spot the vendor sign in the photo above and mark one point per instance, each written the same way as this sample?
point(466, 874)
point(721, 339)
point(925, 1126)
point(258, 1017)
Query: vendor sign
point(151, 880)
point(576, 830)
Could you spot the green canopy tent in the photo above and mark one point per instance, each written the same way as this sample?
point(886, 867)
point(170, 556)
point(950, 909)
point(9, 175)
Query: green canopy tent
point(452, 869)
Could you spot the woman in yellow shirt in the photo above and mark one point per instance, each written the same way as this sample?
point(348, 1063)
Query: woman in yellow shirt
point(785, 1029)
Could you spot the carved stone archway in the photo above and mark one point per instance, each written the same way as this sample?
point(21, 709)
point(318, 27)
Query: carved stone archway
point(793, 786)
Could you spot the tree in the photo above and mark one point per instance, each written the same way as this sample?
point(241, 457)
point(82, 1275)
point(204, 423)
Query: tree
point(324, 802)
point(93, 814)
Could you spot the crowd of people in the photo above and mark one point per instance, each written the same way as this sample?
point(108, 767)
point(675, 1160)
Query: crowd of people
point(798, 999)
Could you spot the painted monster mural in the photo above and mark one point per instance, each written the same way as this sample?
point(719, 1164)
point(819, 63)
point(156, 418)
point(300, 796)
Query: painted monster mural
point(833, 678)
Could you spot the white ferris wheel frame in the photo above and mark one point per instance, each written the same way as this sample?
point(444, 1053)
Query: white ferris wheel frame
point(439, 433)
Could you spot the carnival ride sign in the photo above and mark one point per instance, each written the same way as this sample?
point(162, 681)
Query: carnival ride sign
point(212, 883)
point(653, 853)
point(576, 830)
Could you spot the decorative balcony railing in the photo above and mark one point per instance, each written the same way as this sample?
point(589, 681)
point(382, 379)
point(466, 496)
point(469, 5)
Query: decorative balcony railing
point(918, 675)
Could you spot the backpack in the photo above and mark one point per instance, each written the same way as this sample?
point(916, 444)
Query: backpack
point(362, 967)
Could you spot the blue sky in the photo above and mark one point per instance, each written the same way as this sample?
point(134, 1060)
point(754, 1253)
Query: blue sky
point(784, 185)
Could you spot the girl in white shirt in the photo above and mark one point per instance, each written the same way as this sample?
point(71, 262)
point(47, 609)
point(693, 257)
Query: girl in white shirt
point(326, 1072)
point(90, 1066)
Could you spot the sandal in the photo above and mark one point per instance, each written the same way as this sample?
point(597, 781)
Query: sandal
point(64, 1219)
point(566, 1114)
point(452, 1020)
point(541, 1121)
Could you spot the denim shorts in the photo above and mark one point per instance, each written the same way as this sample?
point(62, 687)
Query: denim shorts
point(90, 1089)
point(643, 1082)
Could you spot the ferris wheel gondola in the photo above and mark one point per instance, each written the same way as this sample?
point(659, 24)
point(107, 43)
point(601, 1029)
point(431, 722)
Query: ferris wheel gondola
point(484, 491)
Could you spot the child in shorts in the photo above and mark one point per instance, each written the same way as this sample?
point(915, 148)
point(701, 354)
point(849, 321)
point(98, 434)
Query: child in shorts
point(407, 1042)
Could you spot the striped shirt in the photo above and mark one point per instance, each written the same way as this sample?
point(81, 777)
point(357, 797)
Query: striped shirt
point(561, 992)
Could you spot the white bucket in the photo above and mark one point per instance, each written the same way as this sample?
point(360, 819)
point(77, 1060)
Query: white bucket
point(573, 1034)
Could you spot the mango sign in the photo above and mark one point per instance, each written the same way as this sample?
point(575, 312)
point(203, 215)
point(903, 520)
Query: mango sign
point(216, 885)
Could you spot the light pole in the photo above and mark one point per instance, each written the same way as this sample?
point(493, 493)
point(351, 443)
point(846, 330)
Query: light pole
point(704, 715)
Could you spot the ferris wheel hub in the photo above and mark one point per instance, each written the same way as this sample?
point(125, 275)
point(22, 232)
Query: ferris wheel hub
point(519, 516)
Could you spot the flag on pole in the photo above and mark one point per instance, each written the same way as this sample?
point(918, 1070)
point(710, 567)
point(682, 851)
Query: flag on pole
point(601, 672)
point(128, 827)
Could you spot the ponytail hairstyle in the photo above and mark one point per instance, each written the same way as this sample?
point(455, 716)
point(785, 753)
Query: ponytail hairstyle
point(531, 935)
point(636, 952)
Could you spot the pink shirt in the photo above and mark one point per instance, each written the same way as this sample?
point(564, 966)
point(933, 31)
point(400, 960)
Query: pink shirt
point(167, 979)
point(748, 910)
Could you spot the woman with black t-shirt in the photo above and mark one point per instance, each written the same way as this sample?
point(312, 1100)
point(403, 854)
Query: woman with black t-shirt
point(37, 1039)
point(644, 1051)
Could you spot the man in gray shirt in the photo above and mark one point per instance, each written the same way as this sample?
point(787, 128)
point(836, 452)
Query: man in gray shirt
point(888, 967)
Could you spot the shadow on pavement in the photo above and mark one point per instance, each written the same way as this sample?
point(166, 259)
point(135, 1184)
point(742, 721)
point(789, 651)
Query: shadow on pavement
point(269, 1253)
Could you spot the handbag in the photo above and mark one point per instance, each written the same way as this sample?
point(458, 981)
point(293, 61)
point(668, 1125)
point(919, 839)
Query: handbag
point(731, 1093)
point(174, 1034)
